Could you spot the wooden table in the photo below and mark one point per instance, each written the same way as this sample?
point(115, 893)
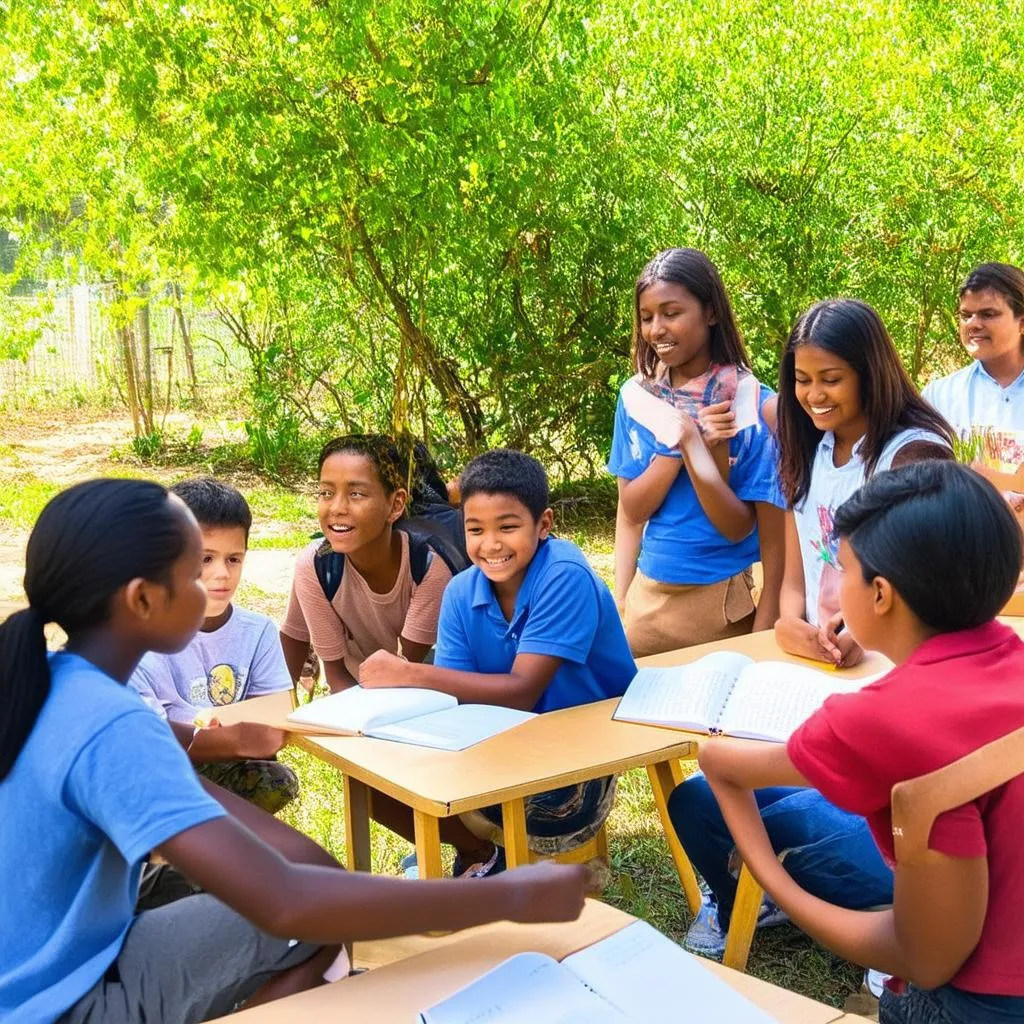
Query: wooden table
point(411, 974)
point(556, 749)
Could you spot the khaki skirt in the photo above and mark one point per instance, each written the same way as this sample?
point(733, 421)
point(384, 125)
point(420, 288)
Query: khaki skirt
point(666, 616)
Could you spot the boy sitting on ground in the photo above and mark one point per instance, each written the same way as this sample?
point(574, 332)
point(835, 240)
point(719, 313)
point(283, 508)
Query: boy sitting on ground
point(235, 655)
point(529, 625)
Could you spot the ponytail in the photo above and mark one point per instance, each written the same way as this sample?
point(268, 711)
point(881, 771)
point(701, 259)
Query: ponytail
point(88, 542)
point(24, 682)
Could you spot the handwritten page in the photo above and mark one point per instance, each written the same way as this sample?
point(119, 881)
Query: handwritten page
point(525, 989)
point(649, 978)
point(355, 710)
point(682, 696)
point(453, 728)
point(772, 699)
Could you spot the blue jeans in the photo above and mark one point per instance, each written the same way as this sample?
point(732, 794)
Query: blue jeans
point(830, 853)
point(948, 1005)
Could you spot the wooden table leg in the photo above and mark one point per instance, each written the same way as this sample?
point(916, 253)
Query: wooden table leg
point(428, 844)
point(357, 825)
point(742, 921)
point(513, 825)
point(665, 776)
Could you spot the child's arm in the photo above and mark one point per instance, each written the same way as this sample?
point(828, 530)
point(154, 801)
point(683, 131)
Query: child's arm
point(295, 654)
point(322, 904)
point(521, 688)
point(628, 535)
point(642, 496)
point(793, 632)
point(939, 906)
point(771, 533)
point(243, 741)
point(729, 515)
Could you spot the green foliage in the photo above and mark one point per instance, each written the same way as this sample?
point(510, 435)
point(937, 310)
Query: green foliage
point(429, 215)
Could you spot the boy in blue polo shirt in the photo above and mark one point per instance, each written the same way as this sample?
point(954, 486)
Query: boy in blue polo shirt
point(529, 625)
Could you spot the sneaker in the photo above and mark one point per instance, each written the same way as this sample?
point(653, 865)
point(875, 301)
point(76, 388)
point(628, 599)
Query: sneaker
point(706, 937)
point(494, 865)
point(409, 866)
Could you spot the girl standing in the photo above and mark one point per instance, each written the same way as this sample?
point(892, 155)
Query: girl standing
point(706, 510)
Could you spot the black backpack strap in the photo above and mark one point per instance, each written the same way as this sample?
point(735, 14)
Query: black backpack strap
point(425, 542)
point(329, 566)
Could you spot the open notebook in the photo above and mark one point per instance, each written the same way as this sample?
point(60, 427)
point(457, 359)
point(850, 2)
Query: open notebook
point(426, 718)
point(732, 694)
point(636, 974)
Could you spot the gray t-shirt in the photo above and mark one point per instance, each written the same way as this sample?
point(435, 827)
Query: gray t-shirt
point(241, 659)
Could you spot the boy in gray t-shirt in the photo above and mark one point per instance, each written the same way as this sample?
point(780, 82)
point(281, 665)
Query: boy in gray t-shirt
point(236, 655)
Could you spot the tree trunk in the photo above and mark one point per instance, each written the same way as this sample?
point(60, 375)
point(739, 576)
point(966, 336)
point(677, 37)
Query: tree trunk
point(146, 343)
point(186, 344)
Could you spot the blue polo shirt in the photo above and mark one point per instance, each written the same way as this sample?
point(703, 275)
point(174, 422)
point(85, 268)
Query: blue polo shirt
point(971, 399)
point(563, 609)
point(680, 545)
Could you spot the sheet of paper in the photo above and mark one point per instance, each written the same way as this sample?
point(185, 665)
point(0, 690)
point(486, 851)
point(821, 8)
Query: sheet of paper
point(651, 979)
point(772, 699)
point(355, 710)
point(453, 728)
point(746, 404)
point(682, 696)
point(664, 421)
point(525, 989)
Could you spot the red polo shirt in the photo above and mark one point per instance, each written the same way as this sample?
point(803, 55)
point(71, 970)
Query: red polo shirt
point(957, 692)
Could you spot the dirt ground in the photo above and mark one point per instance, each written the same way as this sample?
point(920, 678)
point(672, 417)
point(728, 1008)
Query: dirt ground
point(63, 451)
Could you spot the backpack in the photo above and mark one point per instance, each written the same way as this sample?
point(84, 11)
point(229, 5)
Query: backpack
point(434, 531)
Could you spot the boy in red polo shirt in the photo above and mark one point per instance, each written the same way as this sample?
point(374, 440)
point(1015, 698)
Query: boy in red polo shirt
point(929, 554)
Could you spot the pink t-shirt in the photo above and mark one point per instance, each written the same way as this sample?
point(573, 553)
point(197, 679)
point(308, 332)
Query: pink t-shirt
point(358, 621)
point(957, 692)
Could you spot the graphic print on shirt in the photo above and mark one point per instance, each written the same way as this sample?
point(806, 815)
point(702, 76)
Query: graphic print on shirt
point(223, 684)
point(826, 550)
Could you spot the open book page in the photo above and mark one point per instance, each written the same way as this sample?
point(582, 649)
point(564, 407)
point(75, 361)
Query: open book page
point(649, 978)
point(355, 710)
point(453, 728)
point(772, 699)
point(682, 696)
point(525, 989)
point(664, 421)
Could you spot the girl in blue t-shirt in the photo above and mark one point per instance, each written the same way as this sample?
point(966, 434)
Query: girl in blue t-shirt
point(117, 564)
point(694, 512)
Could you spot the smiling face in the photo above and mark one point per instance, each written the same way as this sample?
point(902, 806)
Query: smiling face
point(988, 329)
point(223, 557)
point(502, 537)
point(353, 505)
point(828, 390)
point(677, 326)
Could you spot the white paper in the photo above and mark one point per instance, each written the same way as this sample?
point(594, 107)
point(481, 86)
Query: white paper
point(649, 978)
point(772, 699)
point(746, 406)
point(682, 696)
point(452, 728)
point(664, 421)
point(526, 989)
point(355, 710)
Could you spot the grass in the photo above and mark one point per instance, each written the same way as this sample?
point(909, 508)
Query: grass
point(643, 879)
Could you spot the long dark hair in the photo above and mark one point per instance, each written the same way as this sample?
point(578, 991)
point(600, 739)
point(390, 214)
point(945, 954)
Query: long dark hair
point(88, 542)
point(699, 276)
point(854, 332)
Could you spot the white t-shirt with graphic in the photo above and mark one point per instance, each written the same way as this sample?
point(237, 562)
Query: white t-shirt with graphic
point(830, 486)
point(241, 659)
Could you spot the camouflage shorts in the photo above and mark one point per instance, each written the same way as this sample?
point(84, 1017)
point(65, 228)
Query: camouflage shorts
point(269, 785)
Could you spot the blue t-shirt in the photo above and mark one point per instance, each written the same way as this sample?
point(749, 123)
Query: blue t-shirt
point(680, 545)
point(78, 814)
point(563, 609)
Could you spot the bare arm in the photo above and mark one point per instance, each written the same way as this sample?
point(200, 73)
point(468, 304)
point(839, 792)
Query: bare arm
point(412, 650)
point(628, 535)
point(641, 497)
point(771, 533)
point(921, 451)
point(241, 741)
point(322, 904)
point(337, 676)
point(793, 632)
point(939, 905)
point(521, 688)
point(295, 654)
point(732, 517)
